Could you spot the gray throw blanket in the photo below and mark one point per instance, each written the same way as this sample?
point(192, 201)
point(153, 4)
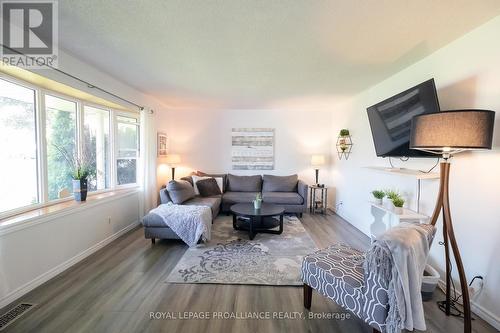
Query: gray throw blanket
point(188, 222)
point(398, 257)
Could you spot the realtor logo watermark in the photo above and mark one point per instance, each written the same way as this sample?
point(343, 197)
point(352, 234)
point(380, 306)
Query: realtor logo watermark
point(29, 34)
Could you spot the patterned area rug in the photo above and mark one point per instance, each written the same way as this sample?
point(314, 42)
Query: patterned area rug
point(231, 258)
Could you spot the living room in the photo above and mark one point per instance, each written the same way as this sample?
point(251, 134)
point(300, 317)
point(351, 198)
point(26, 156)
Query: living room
point(267, 107)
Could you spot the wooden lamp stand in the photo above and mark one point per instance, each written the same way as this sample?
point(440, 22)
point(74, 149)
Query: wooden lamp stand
point(443, 205)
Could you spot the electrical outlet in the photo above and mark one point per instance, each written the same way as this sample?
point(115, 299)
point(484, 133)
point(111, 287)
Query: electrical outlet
point(476, 285)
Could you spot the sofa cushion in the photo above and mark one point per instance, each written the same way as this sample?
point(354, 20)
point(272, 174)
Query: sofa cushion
point(212, 202)
point(286, 198)
point(238, 197)
point(208, 187)
point(180, 191)
point(244, 183)
point(280, 183)
point(153, 221)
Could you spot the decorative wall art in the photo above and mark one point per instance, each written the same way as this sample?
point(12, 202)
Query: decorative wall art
point(162, 145)
point(252, 148)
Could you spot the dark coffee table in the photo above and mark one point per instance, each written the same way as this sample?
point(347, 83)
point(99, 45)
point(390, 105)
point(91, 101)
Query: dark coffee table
point(258, 220)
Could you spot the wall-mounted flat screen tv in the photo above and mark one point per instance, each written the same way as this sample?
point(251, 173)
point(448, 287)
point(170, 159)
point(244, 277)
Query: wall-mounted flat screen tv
point(390, 120)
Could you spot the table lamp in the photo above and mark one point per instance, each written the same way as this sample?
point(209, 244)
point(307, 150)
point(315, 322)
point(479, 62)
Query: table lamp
point(172, 160)
point(316, 162)
point(447, 133)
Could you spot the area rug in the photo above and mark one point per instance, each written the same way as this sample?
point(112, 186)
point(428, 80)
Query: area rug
point(231, 258)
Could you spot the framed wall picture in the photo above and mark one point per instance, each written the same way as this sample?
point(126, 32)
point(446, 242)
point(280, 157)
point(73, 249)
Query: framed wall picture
point(162, 144)
point(252, 149)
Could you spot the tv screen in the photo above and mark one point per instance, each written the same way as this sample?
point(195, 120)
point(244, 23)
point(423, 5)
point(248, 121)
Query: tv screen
point(390, 120)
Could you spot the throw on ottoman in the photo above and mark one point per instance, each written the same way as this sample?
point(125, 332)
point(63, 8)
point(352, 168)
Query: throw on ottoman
point(171, 221)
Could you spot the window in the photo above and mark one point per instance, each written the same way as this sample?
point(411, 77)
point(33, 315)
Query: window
point(60, 115)
point(41, 135)
point(127, 142)
point(18, 156)
point(96, 146)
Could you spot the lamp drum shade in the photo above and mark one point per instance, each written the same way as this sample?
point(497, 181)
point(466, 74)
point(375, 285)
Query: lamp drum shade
point(456, 129)
point(317, 160)
point(173, 159)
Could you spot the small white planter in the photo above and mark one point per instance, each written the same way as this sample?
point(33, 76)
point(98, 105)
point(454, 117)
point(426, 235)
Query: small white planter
point(398, 210)
point(257, 204)
point(377, 201)
point(388, 203)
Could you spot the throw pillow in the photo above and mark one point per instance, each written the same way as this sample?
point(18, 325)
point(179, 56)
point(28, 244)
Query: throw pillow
point(180, 191)
point(188, 179)
point(215, 175)
point(196, 178)
point(208, 187)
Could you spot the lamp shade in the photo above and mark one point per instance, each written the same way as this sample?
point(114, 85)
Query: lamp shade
point(451, 131)
point(173, 159)
point(317, 160)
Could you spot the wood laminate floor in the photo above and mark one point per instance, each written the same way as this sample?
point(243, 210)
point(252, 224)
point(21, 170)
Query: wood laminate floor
point(117, 289)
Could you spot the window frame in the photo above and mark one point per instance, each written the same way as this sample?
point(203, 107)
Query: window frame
point(115, 147)
point(41, 144)
point(111, 142)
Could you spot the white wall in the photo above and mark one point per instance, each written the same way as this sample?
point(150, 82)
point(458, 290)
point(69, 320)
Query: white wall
point(203, 139)
point(467, 74)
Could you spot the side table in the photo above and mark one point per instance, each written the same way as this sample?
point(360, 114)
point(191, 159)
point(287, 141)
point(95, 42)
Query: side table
point(318, 204)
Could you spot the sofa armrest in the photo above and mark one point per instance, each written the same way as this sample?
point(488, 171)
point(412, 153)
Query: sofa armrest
point(302, 190)
point(164, 197)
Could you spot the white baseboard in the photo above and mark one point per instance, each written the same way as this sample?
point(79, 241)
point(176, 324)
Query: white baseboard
point(26, 288)
point(476, 308)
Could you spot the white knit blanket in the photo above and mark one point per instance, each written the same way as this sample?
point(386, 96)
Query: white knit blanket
point(188, 222)
point(398, 257)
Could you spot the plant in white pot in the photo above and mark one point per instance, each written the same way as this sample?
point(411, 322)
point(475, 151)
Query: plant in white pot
point(378, 195)
point(390, 195)
point(257, 203)
point(398, 204)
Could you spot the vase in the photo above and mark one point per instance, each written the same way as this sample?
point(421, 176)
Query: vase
point(398, 210)
point(257, 204)
point(80, 189)
point(377, 201)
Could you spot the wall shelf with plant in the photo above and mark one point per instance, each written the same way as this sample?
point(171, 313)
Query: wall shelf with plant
point(344, 144)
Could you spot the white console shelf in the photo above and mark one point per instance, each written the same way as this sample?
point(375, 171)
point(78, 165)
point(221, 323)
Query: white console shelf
point(405, 215)
point(415, 174)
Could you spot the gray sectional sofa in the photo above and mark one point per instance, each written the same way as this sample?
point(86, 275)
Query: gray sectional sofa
point(286, 191)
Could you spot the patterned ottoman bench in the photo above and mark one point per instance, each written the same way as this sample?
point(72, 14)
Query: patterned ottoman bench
point(337, 273)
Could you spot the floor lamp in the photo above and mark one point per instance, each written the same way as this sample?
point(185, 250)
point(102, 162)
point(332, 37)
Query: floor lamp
point(172, 160)
point(447, 133)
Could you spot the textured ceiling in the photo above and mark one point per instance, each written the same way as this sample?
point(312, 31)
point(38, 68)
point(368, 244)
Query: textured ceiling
point(248, 52)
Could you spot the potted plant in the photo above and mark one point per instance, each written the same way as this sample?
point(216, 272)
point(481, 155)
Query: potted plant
point(257, 203)
point(390, 195)
point(344, 133)
point(378, 195)
point(398, 204)
point(81, 170)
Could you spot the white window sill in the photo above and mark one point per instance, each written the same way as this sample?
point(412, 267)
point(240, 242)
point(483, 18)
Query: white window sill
point(40, 215)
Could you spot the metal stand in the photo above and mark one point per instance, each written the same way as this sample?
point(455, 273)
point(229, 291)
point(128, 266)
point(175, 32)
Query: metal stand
point(318, 204)
point(443, 205)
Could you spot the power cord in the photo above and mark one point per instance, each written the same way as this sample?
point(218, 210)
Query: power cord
point(454, 310)
point(435, 165)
